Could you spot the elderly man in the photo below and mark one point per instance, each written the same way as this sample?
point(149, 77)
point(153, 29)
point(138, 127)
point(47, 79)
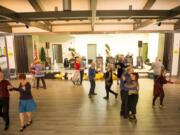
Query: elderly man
point(4, 100)
point(92, 74)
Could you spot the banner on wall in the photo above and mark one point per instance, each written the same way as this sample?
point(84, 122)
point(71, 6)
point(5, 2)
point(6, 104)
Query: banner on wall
point(3, 59)
point(10, 49)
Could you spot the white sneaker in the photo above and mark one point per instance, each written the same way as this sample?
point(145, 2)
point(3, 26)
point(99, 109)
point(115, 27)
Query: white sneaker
point(162, 106)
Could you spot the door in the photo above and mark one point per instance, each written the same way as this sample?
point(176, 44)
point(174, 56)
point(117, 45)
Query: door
point(21, 53)
point(91, 52)
point(57, 53)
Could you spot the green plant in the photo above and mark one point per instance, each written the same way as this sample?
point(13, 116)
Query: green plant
point(108, 50)
point(42, 55)
point(73, 52)
point(107, 46)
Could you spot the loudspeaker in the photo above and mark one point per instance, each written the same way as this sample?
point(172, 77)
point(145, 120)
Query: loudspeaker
point(47, 45)
point(139, 44)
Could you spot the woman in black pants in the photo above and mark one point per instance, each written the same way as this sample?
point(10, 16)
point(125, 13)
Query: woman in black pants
point(109, 82)
point(133, 88)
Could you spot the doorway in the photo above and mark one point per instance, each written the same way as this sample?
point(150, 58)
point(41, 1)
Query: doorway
point(91, 52)
point(57, 53)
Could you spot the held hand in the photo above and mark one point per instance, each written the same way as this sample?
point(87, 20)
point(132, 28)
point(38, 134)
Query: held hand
point(170, 81)
point(123, 78)
point(10, 87)
point(23, 87)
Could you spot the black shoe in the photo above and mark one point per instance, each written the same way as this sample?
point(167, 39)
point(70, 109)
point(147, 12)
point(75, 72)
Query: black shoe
point(94, 94)
point(73, 82)
point(106, 98)
point(121, 113)
point(90, 96)
point(29, 123)
point(130, 117)
point(6, 128)
point(116, 96)
point(22, 128)
point(134, 118)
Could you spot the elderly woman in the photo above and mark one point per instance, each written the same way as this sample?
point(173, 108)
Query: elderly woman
point(92, 80)
point(26, 103)
point(39, 73)
point(108, 82)
point(124, 92)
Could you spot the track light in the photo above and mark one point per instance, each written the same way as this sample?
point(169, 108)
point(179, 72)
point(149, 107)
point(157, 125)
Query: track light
point(27, 27)
point(159, 24)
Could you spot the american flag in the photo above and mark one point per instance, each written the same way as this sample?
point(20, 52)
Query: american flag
point(35, 52)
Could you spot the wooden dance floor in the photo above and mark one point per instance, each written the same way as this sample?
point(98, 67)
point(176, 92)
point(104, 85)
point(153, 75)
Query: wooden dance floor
point(64, 109)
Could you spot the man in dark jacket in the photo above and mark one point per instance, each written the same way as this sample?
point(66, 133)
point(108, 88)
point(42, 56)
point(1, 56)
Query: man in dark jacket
point(4, 100)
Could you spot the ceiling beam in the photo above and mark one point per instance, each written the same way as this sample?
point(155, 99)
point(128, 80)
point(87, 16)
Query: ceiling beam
point(71, 15)
point(5, 28)
point(99, 13)
point(66, 5)
point(11, 15)
point(85, 18)
point(93, 4)
point(40, 26)
point(148, 4)
point(170, 15)
point(177, 25)
point(7, 13)
point(35, 4)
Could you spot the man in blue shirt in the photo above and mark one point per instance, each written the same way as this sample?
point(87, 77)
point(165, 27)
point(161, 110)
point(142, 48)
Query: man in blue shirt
point(92, 74)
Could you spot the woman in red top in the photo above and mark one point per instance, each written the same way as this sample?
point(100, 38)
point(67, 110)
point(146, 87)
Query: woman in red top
point(77, 64)
point(76, 76)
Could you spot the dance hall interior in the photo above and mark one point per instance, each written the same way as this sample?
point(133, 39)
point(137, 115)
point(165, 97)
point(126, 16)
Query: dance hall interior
point(90, 67)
